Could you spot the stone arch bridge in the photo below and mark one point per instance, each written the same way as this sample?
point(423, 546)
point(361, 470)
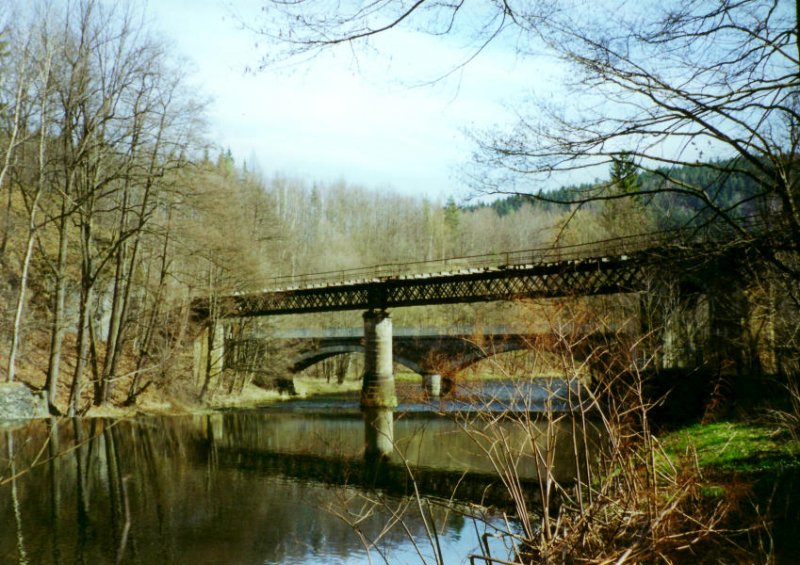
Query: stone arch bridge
point(432, 353)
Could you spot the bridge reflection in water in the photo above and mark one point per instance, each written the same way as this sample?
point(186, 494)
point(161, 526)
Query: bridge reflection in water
point(445, 455)
point(454, 439)
point(253, 487)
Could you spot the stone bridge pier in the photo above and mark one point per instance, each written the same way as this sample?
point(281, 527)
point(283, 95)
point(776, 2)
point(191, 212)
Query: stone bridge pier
point(378, 384)
point(378, 396)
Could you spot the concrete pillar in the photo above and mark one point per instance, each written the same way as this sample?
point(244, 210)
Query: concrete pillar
point(675, 326)
point(432, 384)
point(671, 343)
point(377, 390)
point(199, 355)
point(378, 396)
point(378, 432)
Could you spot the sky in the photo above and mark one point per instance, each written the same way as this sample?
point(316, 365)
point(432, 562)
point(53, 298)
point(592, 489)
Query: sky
point(361, 120)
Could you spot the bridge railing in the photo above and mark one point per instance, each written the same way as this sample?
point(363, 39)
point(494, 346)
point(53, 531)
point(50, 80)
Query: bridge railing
point(614, 247)
point(398, 331)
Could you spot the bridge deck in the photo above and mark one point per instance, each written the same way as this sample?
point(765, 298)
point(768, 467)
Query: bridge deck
point(604, 267)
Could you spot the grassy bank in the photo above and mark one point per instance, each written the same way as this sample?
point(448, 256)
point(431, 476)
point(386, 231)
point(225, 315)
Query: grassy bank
point(734, 447)
point(753, 468)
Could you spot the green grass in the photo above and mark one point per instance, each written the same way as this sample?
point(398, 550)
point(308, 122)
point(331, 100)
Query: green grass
point(734, 446)
point(407, 377)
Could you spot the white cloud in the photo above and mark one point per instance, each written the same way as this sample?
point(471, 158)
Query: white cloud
point(330, 122)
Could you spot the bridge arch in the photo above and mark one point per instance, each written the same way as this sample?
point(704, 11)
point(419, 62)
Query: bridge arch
point(310, 358)
point(419, 361)
point(477, 354)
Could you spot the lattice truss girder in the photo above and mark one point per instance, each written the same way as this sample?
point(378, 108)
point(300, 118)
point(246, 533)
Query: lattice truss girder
point(601, 276)
point(691, 262)
point(516, 284)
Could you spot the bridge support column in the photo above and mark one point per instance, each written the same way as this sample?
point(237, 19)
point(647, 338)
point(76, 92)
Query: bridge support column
point(377, 389)
point(432, 384)
point(378, 396)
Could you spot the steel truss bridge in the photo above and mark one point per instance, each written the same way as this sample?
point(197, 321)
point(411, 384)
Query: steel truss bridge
point(626, 264)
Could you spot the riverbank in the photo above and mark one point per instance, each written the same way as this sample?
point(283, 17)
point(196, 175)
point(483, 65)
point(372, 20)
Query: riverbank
point(409, 388)
point(752, 468)
point(733, 446)
point(249, 397)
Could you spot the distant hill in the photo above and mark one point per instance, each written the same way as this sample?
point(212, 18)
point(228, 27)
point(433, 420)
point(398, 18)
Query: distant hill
point(726, 189)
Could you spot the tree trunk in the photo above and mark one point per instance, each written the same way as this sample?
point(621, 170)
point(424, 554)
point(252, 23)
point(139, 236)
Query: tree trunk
point(82, 351)
point(85, 309)
point(146, 341)
point(57, 331)
point(23, 284)
point(115, 320)
point(32, 209)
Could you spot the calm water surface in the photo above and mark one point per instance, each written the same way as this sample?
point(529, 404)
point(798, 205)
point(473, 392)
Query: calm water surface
point(282, 485)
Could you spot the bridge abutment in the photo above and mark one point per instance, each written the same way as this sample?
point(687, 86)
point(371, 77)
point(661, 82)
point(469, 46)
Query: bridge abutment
point(743, 330)
point(720, 317)
point(378, 390)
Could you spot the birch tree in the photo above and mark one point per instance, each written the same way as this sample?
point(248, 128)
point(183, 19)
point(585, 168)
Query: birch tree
point(33, 80)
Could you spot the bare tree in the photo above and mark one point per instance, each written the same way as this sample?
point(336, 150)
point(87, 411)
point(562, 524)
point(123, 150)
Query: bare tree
point(97, 120)
point(160, 135)
point(33, 80)
point(111, 71)
point(14, 102)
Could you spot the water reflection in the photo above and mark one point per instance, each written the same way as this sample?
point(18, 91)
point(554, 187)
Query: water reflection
point(378, 433)
point(237, 488)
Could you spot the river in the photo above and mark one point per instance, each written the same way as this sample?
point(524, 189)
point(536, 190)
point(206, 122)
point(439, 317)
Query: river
point(284, 484)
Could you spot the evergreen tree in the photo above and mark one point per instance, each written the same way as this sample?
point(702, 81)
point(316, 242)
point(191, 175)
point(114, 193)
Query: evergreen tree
point(624, 174)
point(452, 221)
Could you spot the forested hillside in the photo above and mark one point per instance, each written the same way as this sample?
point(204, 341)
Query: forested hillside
point(725, 188)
